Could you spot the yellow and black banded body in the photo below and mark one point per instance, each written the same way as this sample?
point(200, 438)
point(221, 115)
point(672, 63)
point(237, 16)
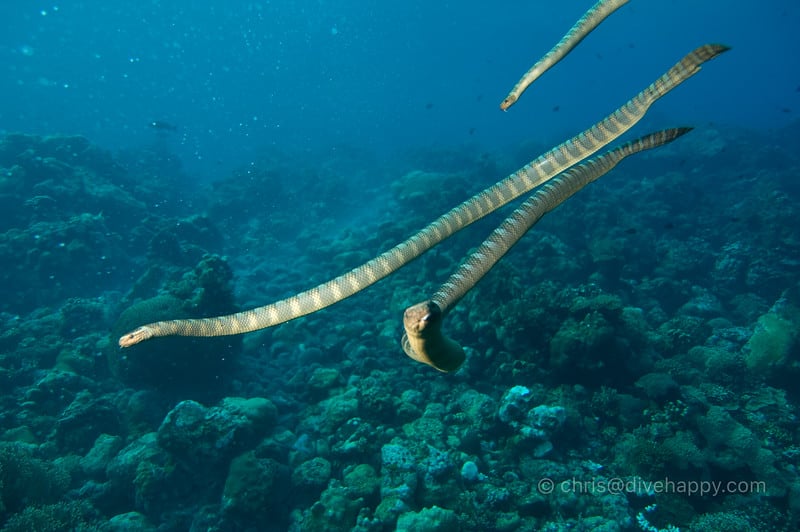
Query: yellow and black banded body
point(520, 182)
point(423, 339)
point(588, 22)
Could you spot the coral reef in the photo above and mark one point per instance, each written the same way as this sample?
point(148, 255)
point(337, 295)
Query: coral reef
point(610, 353)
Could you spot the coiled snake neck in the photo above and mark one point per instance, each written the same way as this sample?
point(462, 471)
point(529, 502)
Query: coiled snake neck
point(535, 173)
point(423, 339)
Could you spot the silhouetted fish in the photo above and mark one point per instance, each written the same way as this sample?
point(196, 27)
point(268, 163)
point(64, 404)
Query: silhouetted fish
point(163, 126)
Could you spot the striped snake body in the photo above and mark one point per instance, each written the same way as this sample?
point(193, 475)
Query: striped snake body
point(423, 340)
point(589, 21)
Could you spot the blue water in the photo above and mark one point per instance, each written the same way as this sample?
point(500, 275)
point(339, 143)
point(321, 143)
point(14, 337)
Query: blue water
point(631, 364)
point(239, 76)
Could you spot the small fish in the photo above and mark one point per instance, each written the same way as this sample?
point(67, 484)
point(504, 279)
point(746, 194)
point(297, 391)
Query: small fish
point(163, 126)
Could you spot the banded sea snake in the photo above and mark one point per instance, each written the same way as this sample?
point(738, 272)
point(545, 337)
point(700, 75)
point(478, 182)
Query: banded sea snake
point(423, 340)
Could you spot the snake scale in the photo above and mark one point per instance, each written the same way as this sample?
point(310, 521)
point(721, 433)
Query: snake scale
point(535, 173)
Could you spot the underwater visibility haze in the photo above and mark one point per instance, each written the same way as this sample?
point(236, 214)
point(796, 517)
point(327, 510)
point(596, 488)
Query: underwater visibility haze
point(631, 363)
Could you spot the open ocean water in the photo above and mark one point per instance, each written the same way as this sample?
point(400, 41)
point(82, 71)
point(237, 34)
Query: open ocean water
point(631, 364)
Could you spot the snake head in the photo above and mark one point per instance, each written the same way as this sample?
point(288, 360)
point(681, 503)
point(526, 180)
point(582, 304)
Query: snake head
point(422, 316)
point(135, 336)
point(424, 341)
point(508, 102)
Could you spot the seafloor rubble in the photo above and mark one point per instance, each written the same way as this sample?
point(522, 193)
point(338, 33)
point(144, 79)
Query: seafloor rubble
point(632, 364)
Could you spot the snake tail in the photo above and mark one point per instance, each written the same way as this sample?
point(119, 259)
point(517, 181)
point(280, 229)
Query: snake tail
point(585, 25)
point(424, 340)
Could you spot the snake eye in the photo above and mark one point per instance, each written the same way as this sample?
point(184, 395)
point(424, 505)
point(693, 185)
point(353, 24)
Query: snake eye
point(426, 318)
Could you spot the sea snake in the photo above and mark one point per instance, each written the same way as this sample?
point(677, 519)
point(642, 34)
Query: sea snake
point(589, 21)
point(423, 339)
point(531, 175)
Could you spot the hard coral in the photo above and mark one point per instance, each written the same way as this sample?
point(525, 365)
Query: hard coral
point(771, 342)
point(254, 493)
point(27, 480)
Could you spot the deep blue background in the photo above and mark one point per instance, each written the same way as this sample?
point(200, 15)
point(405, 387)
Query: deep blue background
point(237, 76)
